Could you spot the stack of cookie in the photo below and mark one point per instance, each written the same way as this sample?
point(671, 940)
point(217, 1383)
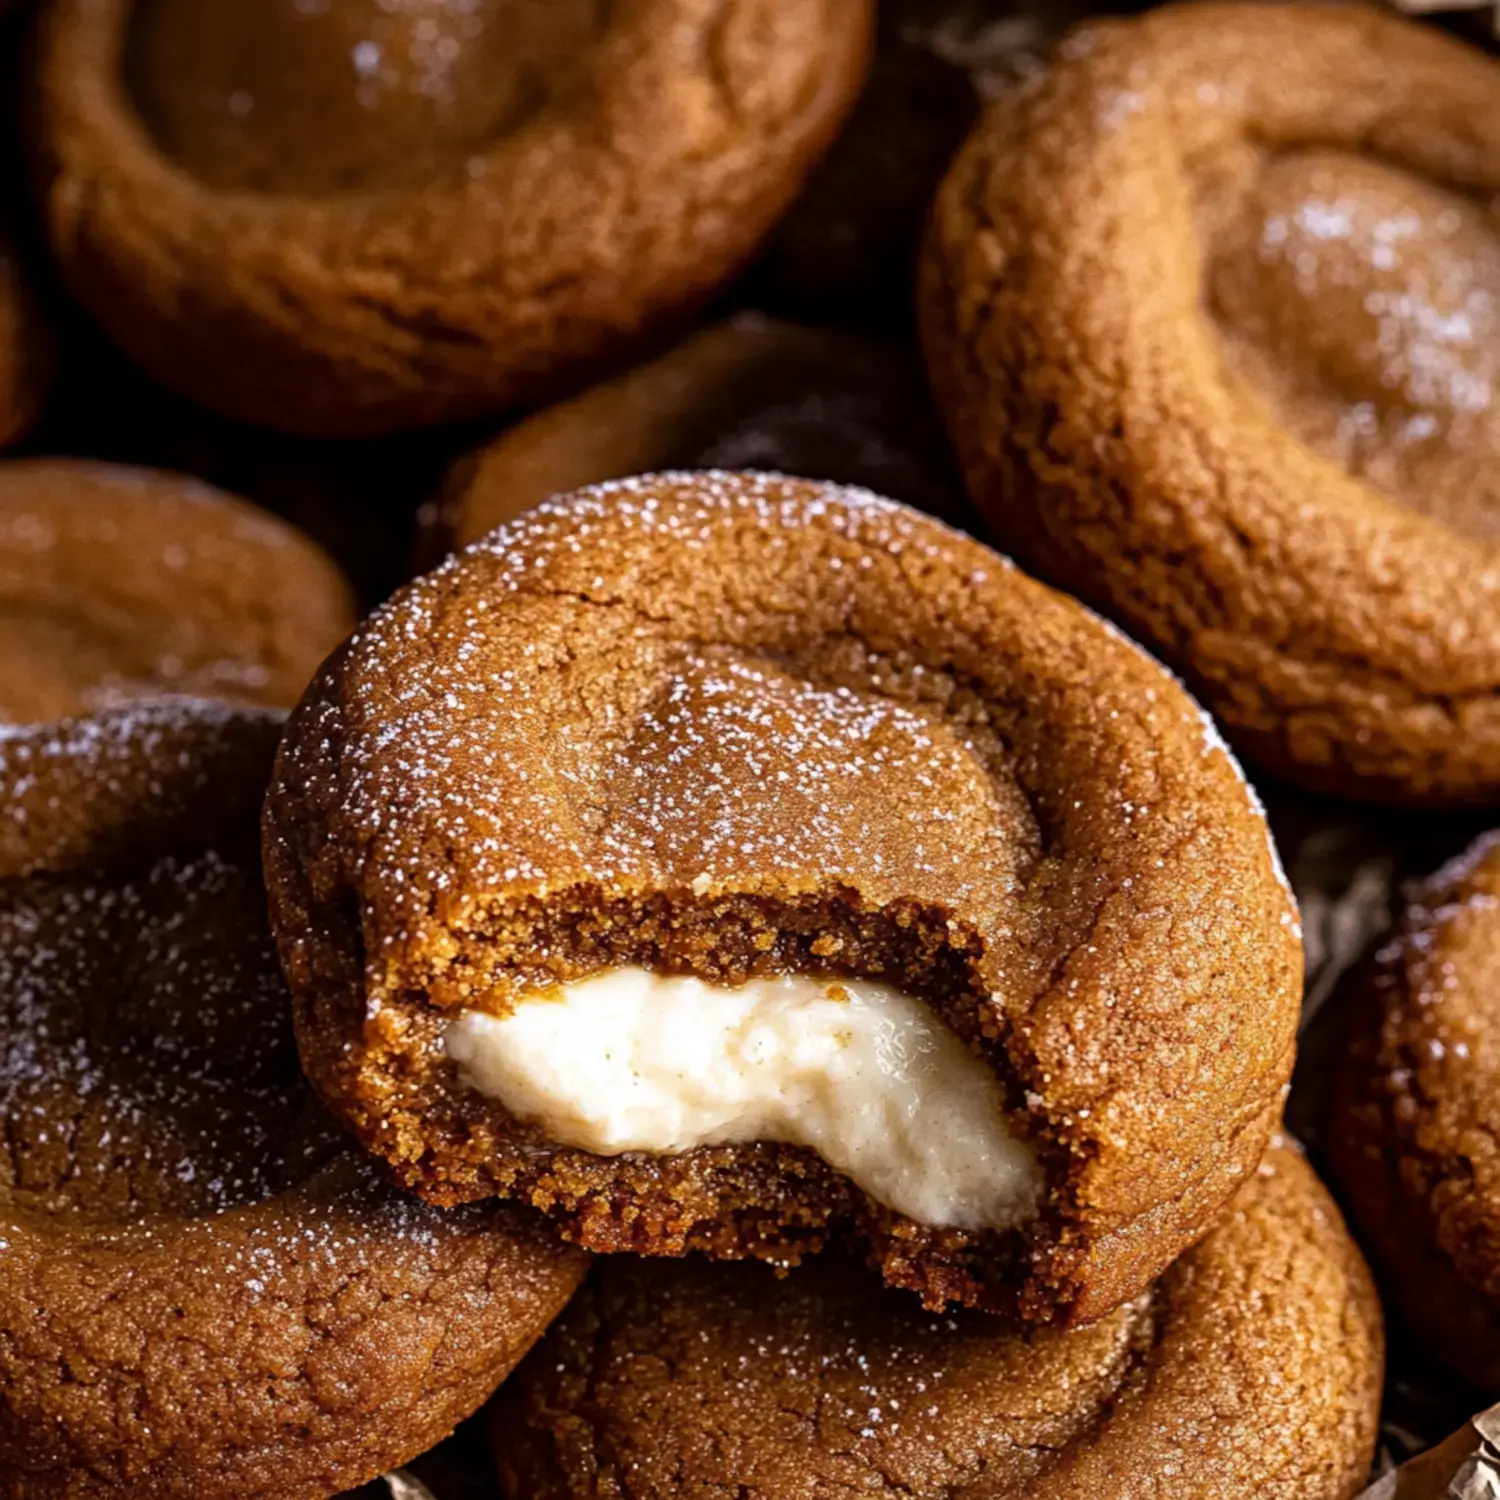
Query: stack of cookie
point(725, 964)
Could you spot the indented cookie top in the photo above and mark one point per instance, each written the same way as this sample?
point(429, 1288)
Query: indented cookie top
point(335, 95)
point(712, 723)
point(120, 584)
point(239, 1303)
point(1360, 302)
point(1251, 1369)
point(1210, 308)
point(716, 682)
point(354, 217)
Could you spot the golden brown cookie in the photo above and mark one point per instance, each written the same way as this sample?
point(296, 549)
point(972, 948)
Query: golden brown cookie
point(1413, 1115)
point(349, 218)
point(1212, 313)
point(120, 583)
point(710, 787)
point(203, 1291)
point(1250, 1370)
point(750, 393)
point(26, 348)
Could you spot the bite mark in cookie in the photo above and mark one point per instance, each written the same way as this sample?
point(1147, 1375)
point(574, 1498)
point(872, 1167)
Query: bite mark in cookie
point(737, 728)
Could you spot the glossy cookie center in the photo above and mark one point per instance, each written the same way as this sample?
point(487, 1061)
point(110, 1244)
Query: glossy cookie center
point(315, 96)
point(1362, 303)
point(866, 1077)
point(146, 1061)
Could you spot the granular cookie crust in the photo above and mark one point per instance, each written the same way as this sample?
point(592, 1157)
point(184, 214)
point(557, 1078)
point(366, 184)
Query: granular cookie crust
point(732, 724)
point(204, 1293)
point(617, 173)
point(1206, 310)
point(120, 583)
point(1252, 1369)
point(1413, 1113)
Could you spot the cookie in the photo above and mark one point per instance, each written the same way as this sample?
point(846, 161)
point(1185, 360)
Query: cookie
point(1211, 312)
point(1251, 1369)
point(27, 353)
point(204, 1291)
point(751, 393)
point(735, 863)
point(121, 583)
point(353, 218)
point(1412, 1119)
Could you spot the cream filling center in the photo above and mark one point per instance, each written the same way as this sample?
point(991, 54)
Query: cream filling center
point(868, 1078)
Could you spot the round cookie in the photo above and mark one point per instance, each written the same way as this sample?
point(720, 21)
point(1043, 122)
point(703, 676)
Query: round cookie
point(740, 787)
point(349, 219)
point(1251, 1369)
point(120, 583)
point(1412, 1117)
point(204, 1292)
point(1240, 397)
point(26, 348)
point(750, 393)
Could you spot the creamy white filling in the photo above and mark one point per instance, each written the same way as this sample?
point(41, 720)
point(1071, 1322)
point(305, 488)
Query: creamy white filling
point(863, 1075)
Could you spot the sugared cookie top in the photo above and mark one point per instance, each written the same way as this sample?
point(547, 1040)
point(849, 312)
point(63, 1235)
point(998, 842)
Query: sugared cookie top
point(660, 739)
point(1211, 311)
point(353, 217)
point(1251, 1370)
point(203, 1292)
point(120, 584)
point(1414, 1111)
point(749, 393)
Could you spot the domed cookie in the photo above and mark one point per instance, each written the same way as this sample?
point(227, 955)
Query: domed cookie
point(203, 1291)
point(750, 393)
point(1212, 313)
point(121, 583)
point(727, 862)
point(26, 348)
point(1251, 1370)
point(1414, 1111)
point(351, 218)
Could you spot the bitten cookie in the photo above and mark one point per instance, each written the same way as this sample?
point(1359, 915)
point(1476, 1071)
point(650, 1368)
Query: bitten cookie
point(1252, 1369)
point(352, 218)
point(751, 393)
point(204, 1292)
point(730, 862)
point(1212, 312)
point(120, 583)
point(1414, 1111)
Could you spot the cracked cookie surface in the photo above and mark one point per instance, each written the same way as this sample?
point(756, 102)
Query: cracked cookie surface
point(203, 1291)
point(730, 726)
point(348, 219)
point(1412, 1126)
point(1210, 311)
point(1251, 1369)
